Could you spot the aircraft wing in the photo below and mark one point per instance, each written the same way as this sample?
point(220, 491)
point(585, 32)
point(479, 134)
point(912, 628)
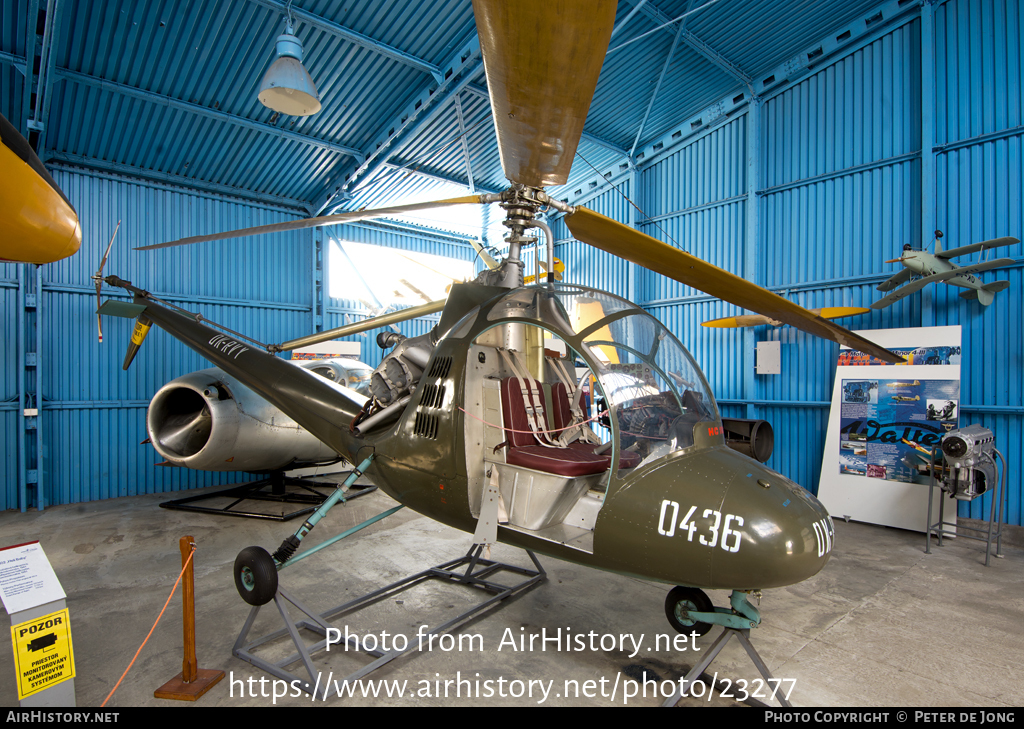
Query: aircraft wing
point(975, 268)
point(945, 275)
point(904, 291)
point(899, 279)
point(975, 247)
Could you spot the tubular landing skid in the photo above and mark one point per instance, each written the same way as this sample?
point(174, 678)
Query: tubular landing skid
point(256, 575)
point(470, 570)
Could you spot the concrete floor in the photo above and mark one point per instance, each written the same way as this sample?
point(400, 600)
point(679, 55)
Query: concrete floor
point(882, 625)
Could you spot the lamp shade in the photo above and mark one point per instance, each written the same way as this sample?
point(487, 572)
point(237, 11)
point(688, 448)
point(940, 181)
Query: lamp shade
point(287, 86)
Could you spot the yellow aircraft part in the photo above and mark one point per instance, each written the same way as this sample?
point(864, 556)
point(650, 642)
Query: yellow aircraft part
point(732, 322)
point(559, 270)
point(37, 225)
point(838, 312)
point(588, 312)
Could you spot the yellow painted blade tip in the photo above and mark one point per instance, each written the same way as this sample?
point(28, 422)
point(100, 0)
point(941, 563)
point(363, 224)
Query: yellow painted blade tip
point(837, 312)
point(728, 322)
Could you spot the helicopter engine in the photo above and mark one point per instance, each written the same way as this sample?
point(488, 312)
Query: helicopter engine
point(400, 371)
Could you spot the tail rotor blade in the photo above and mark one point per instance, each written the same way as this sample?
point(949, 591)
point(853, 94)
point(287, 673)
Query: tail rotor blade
point(98, 278)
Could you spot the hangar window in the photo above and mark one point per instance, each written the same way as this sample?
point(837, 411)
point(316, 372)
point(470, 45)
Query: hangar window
point(380, 277)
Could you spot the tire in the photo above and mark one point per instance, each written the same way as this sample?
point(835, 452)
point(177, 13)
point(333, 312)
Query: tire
point(255, 576)
point(680, 601)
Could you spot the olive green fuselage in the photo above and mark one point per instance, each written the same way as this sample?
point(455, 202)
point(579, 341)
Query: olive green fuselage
point(706, 517)
point(702, 515)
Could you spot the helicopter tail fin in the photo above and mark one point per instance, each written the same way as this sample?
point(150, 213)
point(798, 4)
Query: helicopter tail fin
point(142, 324)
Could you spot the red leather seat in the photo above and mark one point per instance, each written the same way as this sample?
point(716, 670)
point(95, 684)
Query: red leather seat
point(576, 459)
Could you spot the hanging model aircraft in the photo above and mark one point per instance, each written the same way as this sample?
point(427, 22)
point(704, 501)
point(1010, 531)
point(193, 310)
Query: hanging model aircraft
point(921, 268)
point(756, 320)
point(477, 414)
point(38, 222)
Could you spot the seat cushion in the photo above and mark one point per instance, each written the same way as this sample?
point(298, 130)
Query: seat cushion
point(568, 462)
point(576, 459)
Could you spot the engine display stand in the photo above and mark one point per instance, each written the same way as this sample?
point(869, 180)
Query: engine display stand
point(278, 494)
point(743, 635)
point(937, 528)
point(470, 570)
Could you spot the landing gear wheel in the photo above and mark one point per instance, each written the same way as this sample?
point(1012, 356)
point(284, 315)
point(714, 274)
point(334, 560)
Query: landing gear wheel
point(680, 602)
point(255, 575)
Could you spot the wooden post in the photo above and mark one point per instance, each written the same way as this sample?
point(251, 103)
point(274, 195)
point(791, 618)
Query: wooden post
point(193, 681)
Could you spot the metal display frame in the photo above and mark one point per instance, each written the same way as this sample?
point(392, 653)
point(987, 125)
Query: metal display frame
point(998, 496)
point(478, 573)
point(278, 494)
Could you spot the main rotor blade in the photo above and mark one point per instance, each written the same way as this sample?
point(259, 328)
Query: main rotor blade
point(838, 312)
point(621, 240)
point(754, 320)
point(363, 326)
point(337, 219)
point(737, 322)
point(542, 59)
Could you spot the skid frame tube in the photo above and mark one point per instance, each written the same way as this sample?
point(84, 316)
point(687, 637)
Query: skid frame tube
point(477, 574)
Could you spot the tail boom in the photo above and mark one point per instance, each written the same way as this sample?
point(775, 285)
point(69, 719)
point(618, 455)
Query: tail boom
point(324, 409)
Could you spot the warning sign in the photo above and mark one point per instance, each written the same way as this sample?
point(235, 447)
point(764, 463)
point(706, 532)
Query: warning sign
point(43, 656)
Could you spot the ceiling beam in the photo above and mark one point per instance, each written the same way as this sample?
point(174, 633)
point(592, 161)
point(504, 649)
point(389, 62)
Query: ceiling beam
point(709, 53)
point(657, 88)
point(44, 85)
point(421, 111)
point(408, 168)
point(465, 144)
point(340, 31)
point(17, 61)
point(716, 58)
point(199, 110)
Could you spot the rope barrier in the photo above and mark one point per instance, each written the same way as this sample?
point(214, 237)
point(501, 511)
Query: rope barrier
point(173, 590)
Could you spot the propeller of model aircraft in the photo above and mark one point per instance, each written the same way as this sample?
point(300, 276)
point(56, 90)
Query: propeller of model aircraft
point(542, 59)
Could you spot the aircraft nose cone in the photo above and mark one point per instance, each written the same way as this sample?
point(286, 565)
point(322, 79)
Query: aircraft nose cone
point(785, 536)
point(913, 263)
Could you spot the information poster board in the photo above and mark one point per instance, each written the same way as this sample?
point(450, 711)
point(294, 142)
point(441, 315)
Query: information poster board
point(26, 578)
point(885, 419)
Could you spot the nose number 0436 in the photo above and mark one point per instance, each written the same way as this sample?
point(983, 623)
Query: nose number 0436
point(721, 533)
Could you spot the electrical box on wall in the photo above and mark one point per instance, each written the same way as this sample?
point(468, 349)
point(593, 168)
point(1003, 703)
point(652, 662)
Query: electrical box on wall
point(769, 358)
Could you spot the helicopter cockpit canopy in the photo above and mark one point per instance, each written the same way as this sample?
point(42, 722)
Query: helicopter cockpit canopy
point(647, 384)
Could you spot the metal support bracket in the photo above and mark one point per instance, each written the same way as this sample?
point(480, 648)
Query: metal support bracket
point(470, 570)
point(713, 651)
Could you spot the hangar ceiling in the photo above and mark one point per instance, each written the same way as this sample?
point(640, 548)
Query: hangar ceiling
point(167, 90)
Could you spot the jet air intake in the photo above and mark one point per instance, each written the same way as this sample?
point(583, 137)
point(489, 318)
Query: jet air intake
point(209, 421)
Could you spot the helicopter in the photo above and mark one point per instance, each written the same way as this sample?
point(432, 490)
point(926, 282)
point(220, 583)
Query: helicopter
point(487, 403)
point(40, 224)
point(921, 268)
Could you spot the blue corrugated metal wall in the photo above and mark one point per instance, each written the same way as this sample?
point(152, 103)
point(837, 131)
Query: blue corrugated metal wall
point(840, 183)
point(915, 126)
point(92, 414)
